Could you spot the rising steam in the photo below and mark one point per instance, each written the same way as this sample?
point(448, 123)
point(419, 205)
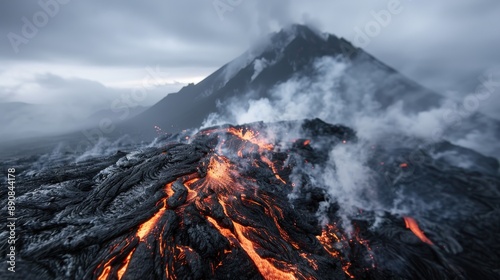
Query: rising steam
point(338, 91)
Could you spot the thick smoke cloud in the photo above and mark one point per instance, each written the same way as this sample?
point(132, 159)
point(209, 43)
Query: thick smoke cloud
point(354, 105)
point(338, 93)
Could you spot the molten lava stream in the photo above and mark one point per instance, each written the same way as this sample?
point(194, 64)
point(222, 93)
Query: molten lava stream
point(252, 137)
point(273, 168)
point(147, 226)
point(122, 270)
point(265, 267)
point(142, 232)
point(189, 185)
point(413, 226)
point(105, 274)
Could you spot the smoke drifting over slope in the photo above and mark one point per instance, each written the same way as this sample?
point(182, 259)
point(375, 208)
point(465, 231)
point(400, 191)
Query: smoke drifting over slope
point(388, 112)
point(242, 201)
point(359, 95)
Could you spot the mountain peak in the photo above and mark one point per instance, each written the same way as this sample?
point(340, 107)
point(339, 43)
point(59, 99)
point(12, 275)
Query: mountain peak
point(294, 31)
point(291, 53)
point(304, 31)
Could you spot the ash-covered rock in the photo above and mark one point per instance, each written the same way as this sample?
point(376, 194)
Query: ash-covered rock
point(224, 204)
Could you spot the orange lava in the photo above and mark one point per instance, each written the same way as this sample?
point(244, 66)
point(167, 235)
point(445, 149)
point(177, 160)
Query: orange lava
point(271, 164)
point(105, 273)
point(263, 265)
point(147, 226)
point(328, 239)
point(413, 226)
point(330, 242)
point(125, 266)
point(250, 136)
point(313, 263)
point(218, 172)
point(168, 189)
point(222, 179)
point(266, 268)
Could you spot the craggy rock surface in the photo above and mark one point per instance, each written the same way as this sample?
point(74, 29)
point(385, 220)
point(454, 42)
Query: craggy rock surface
point(218, 205)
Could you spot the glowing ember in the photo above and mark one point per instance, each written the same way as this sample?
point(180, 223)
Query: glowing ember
point(218, 171)
point(273, 168)
point(413, 226)
point(328, 239)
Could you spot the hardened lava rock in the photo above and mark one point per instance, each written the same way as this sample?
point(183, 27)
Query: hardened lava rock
point(218, 205)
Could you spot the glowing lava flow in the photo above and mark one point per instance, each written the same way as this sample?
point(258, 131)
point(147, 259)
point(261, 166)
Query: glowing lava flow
point(147, 226)
point(125, 266)
point(222, 196)
point(330, 241)
point(219, 174)
point(273, 168)
point(263, 265)
point(110, 263)
point(250, 136)
point(266, 268)
point(253, 137)
point(142, 232)
point(413, 226)
point(105, 273)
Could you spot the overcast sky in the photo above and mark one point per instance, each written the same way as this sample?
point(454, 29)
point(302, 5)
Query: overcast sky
point(70, 48)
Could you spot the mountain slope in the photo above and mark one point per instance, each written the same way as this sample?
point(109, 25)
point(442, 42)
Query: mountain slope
point(300, 73)
point(287, 53)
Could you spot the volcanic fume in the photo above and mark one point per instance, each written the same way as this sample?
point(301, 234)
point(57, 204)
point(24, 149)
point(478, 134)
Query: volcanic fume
point(238, 202)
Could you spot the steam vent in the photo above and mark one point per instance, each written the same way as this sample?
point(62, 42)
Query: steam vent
point(236, 202)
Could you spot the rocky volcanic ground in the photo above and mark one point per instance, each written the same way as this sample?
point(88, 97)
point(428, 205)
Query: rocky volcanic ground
point(243, 202)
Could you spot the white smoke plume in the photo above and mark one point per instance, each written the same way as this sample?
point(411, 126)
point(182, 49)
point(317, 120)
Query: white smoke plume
point(337, 93)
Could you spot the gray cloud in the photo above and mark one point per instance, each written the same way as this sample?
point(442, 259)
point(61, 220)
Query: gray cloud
point(68, 104)
point(115, 33)
point(190, 33)
point(444, 46)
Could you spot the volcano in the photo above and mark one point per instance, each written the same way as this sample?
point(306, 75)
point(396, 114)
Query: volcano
point(327, 77)
point(280, 57)
point(306, 195)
